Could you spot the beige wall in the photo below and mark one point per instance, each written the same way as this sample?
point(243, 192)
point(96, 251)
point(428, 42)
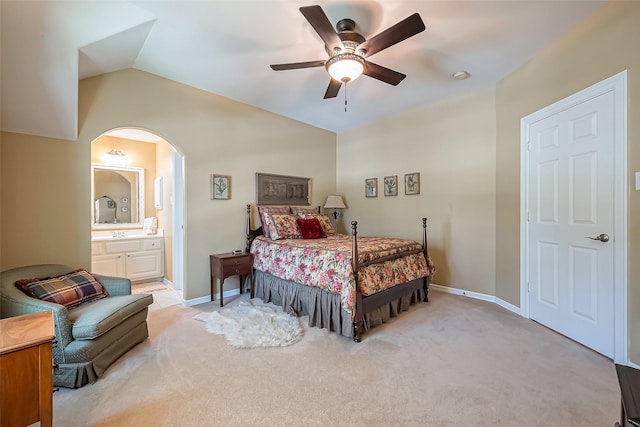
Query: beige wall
point(45, 201)
point(215, 135)
point(452, 145)
point(602, 47)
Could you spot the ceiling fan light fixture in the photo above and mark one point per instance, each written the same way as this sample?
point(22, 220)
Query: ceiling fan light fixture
point(345, 67)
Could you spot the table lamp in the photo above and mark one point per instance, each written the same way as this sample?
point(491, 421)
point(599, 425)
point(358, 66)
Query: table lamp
point(334, 202)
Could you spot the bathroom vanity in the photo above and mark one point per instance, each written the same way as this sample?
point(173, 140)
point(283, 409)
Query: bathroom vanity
point(128, 254)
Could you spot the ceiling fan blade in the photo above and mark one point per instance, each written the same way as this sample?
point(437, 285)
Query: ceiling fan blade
point(401, 31)
point(297, 65)
point(319, 21)
point(333, 89)
point(383, 74)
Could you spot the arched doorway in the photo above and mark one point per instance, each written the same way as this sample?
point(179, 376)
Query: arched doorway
point(159, 190)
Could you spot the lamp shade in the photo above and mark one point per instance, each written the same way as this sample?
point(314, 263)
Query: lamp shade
point(334, 202)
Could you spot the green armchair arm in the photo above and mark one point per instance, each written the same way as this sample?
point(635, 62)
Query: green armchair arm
point(15, 303)
point(115, 285)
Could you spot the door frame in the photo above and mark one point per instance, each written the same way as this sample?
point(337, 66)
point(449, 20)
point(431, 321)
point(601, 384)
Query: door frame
point(618, 85)
point(178, 221)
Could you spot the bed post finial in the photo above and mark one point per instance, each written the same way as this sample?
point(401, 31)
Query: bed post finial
point(424, 238)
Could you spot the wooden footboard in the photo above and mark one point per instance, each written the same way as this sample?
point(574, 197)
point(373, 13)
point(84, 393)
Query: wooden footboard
point(366, 304)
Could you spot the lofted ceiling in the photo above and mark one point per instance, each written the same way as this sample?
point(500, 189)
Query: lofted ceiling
point(226, 47)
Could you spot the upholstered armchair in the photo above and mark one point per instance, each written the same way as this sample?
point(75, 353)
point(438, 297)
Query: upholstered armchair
point(88, 337)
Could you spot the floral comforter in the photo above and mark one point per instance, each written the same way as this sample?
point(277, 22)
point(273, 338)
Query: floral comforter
point(326, 263)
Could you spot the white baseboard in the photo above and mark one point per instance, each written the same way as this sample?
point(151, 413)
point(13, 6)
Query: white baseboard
point(476, 295)
point(207, 298)
point(168, 283)
point(435, 287)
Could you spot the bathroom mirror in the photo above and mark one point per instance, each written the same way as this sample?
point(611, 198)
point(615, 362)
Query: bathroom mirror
point(117, 194)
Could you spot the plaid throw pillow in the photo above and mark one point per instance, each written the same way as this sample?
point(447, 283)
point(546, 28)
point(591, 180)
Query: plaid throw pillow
point(70, 290)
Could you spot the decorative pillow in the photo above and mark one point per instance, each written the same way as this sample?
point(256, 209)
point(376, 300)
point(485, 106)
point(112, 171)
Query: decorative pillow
point(70, 290)
point(282, 226)
point(281, 210)
point(325, 222)
point(310, 228)
point(303, 211)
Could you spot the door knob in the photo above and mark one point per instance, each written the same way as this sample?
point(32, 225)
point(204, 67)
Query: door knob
point(602, 237)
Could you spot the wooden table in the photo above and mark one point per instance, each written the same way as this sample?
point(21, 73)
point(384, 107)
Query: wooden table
point(629, 379)
point(230, 264)
point(26, 370)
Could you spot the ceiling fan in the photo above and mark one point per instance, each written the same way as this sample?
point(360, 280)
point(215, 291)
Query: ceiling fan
point(348, 50)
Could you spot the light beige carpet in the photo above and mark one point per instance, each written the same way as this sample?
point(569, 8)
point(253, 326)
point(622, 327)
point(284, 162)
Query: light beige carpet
point(452, 362)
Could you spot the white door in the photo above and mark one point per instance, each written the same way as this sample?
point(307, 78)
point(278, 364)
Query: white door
point(571, 202)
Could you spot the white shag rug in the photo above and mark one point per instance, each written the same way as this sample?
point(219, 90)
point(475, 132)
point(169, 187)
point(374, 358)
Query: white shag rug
point(253, 324)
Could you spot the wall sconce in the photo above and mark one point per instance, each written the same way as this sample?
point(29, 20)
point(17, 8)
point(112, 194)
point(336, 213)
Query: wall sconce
point(115, 157)
point(334, 202)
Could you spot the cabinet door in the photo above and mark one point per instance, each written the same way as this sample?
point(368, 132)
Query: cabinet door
point(109, 265)
point(144, 265)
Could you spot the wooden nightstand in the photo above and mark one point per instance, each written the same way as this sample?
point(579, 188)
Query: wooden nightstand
point(227, 265)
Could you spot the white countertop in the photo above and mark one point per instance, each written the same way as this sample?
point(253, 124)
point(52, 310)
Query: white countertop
point(102, 235)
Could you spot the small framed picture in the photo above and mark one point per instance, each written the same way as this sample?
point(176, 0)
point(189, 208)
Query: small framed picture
point(371, 187)
point(124, 208)
point(412, 183)
point(220, 187)
point(124, 200)
point(391, 185)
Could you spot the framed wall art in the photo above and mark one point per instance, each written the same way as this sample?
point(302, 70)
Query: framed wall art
point(282, 190)
point(220, 187)
point(391, 185)
point(371, 187)
point(412, 183)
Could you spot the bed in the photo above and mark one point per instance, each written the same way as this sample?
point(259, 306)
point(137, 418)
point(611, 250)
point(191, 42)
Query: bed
point(315, 274)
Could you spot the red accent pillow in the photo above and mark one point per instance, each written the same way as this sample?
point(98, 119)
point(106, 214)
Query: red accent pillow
point(310, 228)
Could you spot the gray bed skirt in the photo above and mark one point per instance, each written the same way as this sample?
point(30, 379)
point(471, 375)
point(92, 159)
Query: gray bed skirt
point(323, 307)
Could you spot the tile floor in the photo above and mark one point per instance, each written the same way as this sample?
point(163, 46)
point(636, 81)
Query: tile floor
point(163, 295)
